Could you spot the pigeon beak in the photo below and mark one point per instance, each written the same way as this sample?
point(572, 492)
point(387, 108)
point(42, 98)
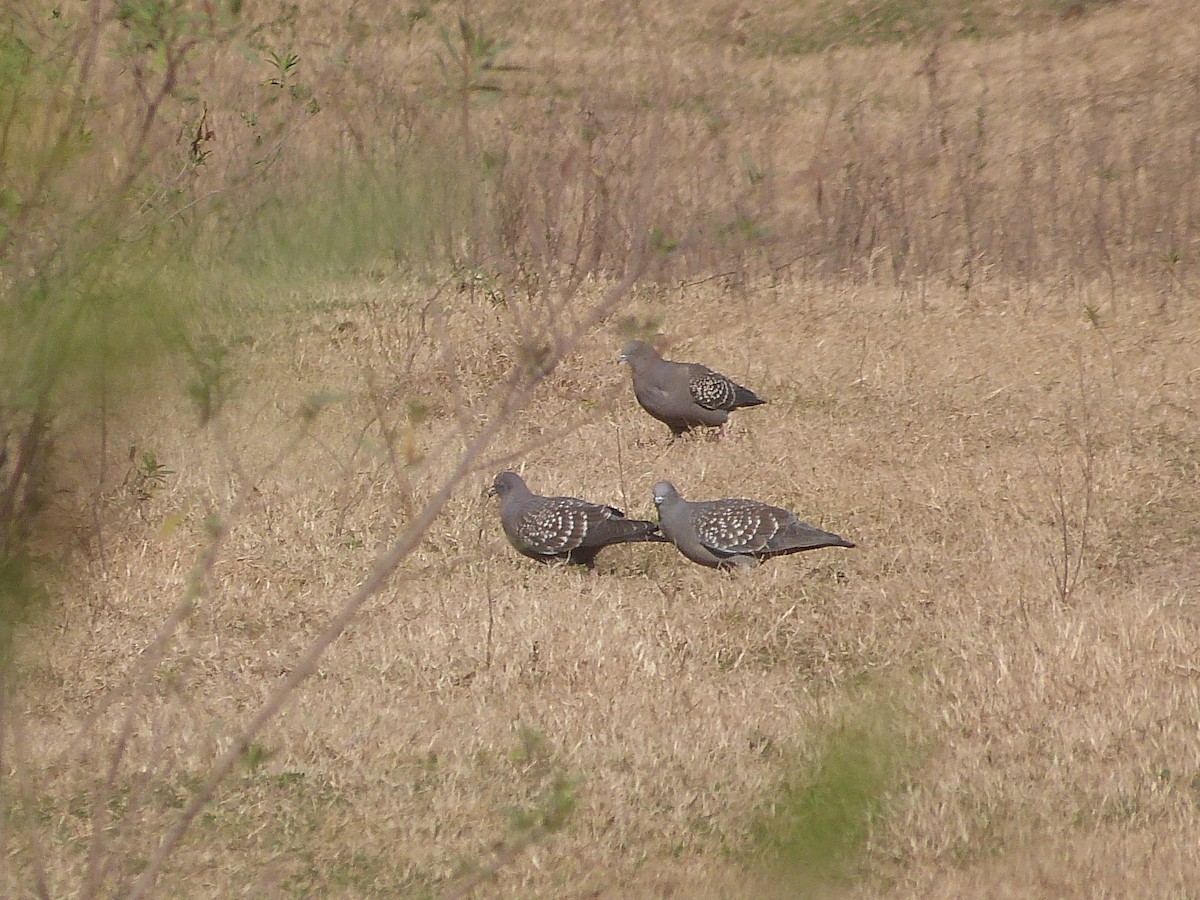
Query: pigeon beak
point(491, 491)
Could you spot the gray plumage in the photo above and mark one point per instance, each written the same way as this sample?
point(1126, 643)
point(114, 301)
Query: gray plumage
point(552, 528)
point(683, 395)
point(726, 533)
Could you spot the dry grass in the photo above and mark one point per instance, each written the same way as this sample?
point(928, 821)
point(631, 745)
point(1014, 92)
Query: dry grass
point(981, 364)
point(1050, 741)
point(1059, 149)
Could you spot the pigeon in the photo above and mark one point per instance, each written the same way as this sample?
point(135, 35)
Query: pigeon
point(683, 395)
point(557, 528)
point(734, 533)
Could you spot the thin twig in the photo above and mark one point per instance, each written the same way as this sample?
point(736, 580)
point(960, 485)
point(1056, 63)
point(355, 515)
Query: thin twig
point(380, 575)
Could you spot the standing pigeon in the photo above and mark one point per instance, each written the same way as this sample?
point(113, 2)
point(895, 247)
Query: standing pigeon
point(683, 395)
point(550, 528)
point(727, 533)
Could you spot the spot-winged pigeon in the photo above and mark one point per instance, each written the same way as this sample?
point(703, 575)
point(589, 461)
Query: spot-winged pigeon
point(552, 528)
point(727, 533)
point(683, 395)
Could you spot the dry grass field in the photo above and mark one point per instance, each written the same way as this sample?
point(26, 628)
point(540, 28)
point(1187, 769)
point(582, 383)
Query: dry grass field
point(1036, 737)
point(996, 694)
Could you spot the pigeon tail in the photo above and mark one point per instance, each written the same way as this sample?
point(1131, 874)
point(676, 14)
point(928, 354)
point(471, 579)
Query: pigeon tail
point(745, 397)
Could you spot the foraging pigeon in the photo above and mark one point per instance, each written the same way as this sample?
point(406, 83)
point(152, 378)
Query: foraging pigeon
point(683, 395)
point(726, 533)
point(550, 528)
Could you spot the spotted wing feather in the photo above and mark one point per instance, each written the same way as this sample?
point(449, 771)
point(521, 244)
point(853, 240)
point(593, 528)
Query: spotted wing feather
point(559, 525)
point(739, 526)
point(712, 390)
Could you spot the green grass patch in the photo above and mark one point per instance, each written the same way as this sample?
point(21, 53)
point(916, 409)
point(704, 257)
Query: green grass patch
point(811, 835)
point(410, 216)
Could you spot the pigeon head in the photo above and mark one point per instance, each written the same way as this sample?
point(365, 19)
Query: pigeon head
point(638, 354)
point(664, 491)
point(505, 484)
